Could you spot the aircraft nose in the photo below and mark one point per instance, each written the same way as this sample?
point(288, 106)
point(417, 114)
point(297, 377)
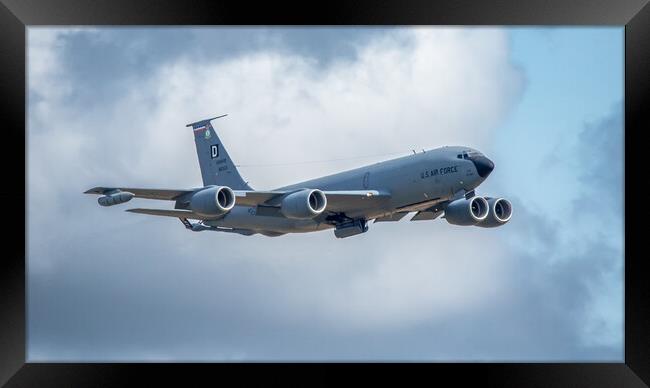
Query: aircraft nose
point(484, 166)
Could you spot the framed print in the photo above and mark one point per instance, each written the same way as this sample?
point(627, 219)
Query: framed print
point(440, 186)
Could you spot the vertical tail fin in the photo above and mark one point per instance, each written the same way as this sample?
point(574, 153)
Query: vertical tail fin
point(217, 168)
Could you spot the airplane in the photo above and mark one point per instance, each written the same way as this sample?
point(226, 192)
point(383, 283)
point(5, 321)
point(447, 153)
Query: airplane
point(431, 183)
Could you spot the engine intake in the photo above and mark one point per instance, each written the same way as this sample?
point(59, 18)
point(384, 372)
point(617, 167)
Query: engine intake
point(213, 201)
point(467, 211)
point(304, 204)
point(500, 213)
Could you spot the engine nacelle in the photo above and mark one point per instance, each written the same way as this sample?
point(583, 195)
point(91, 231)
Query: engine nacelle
point(304, 204)
point(115, 198)
point(213, 201)
point(467, 211)
point(500, 213)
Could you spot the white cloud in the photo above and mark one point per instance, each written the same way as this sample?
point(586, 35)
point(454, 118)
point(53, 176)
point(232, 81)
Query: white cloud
point(414, 88)
point(420, 89)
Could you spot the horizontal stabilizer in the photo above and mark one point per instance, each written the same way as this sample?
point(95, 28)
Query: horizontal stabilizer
point(170, 213)
point(205, 121)
point(245, 232)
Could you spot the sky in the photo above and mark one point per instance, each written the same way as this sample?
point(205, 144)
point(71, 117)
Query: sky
point(108, 107)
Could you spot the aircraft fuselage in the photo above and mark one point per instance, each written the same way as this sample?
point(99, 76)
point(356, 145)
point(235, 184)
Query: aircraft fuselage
point(428, 184)
point(423, 178)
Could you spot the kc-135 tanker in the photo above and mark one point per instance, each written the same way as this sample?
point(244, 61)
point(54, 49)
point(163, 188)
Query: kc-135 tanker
point(433, 183)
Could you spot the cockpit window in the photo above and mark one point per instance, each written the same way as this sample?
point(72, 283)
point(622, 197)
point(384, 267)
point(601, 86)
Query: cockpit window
point(468, 155)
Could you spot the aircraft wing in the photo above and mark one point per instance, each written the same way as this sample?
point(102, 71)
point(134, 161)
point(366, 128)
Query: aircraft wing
point(392, 218)
point(431, 213)
point(337, 201)
point(424, 215)
point(254, 198)
point(162, 194)
point(427, 205)
point(341, 201)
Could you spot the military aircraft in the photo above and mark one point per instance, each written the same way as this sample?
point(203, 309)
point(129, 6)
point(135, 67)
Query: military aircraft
point(431, 183)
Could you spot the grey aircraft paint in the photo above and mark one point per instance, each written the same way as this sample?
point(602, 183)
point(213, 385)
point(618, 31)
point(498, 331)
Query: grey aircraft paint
point(217, 168)
point(426, 183)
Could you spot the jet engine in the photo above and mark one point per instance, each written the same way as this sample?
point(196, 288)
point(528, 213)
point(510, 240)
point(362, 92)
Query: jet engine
point(304, 204)
point(500, 213)
point(467, 211)
point(213, 201)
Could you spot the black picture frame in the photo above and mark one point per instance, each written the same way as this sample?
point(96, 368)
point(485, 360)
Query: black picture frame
point(16, 15)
